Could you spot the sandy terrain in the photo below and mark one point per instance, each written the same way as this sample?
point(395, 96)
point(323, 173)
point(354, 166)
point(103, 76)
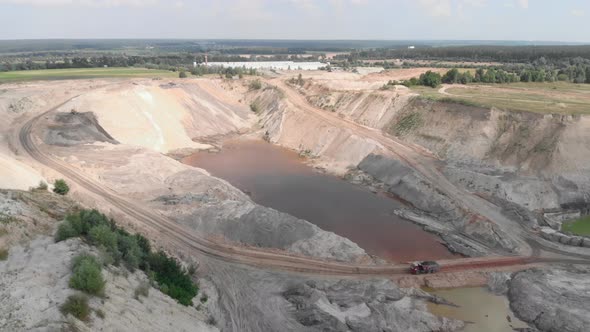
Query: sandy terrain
point(112, 146)
point(17, 175)
point(160, 116)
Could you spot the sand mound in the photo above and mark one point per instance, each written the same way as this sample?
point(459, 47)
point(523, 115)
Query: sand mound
point(162, 117)
point(76, 128)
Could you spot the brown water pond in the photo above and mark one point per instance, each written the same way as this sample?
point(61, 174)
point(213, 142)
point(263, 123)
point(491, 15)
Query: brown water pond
point(279, 178)
point(482, 310)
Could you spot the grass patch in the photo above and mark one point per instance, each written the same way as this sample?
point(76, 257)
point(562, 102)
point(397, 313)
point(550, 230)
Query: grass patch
point(77, 306)
point(578, 227)
point(82, 73)
point(3, 254)
point(545, 98)
point(408, 123)
point(6, 219)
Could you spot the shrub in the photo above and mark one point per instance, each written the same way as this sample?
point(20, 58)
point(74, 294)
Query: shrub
point(254, 108)
point(135, 250)
point(77, 306)
point(255, 85)
point(172, 277)
point(3, 254)
point(103, 235)
point(142, 290)
point(408, 123)
point(61, 187)
point(65, 231)
point(87, 275)
point(100, 313)
point(211, 321)
point(42, 186)
point(130, 251)
point(430, 79)
point(182, 74)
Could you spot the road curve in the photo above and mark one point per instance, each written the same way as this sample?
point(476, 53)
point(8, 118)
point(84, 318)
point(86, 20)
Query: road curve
point(425, 164)
point(182, 238)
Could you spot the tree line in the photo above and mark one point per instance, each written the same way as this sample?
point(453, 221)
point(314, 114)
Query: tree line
point(579, 74)
point(505, 54)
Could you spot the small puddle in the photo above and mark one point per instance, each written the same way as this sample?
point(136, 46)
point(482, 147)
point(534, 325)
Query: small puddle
point(487, 312)
point(280, 179)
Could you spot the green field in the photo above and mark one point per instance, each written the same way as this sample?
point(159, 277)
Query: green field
point(578, 227)
point(80, 73)
point(554, 98)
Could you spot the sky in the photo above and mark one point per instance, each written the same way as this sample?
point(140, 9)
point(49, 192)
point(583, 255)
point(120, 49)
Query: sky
point(534, 20)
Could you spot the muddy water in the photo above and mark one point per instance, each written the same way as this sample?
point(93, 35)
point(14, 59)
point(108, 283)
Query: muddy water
point(279, 178)
point(484, 310)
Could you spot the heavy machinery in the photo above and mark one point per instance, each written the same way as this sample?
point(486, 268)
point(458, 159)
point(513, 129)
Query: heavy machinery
point(424, 267)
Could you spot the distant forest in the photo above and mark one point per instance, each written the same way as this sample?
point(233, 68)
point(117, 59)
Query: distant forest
point(518, 61)
point(485, 53)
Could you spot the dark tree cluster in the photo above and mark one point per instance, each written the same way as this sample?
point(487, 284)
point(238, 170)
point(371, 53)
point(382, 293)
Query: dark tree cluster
point(429, 78)
point(227, 72)
point(134, 251)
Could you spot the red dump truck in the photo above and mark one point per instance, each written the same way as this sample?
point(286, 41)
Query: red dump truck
point(424, 267)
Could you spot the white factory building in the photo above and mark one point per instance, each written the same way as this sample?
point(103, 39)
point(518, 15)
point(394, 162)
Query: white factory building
point(279, 65)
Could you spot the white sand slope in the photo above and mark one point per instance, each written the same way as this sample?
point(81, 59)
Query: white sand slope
point(16, 175)
point(163, 119)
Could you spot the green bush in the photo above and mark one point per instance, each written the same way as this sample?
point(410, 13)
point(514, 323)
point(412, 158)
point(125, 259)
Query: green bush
point(430, 79)
point(87, 275)
point(61, 187)
point(77, 306)
point(255, 85)
point(130, 251)
point(103, 235)
point(135, 250)
point(172, 277)
point(80, 223)
point(182, 74)
point(65, 231)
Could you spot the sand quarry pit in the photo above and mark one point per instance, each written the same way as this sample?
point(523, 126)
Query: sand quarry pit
point(121, 134)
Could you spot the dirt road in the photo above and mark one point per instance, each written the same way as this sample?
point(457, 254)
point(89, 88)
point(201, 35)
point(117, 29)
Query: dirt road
point(420, 160)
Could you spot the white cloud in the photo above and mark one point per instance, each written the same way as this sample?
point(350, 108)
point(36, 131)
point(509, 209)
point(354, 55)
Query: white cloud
point(436, 7)
point(448, 7)
point(578, 12)
point(307, 5)
point(475, 3)
point(523, 3)
point(88, 3)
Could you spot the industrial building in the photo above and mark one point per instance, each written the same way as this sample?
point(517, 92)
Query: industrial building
point(280, 65)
